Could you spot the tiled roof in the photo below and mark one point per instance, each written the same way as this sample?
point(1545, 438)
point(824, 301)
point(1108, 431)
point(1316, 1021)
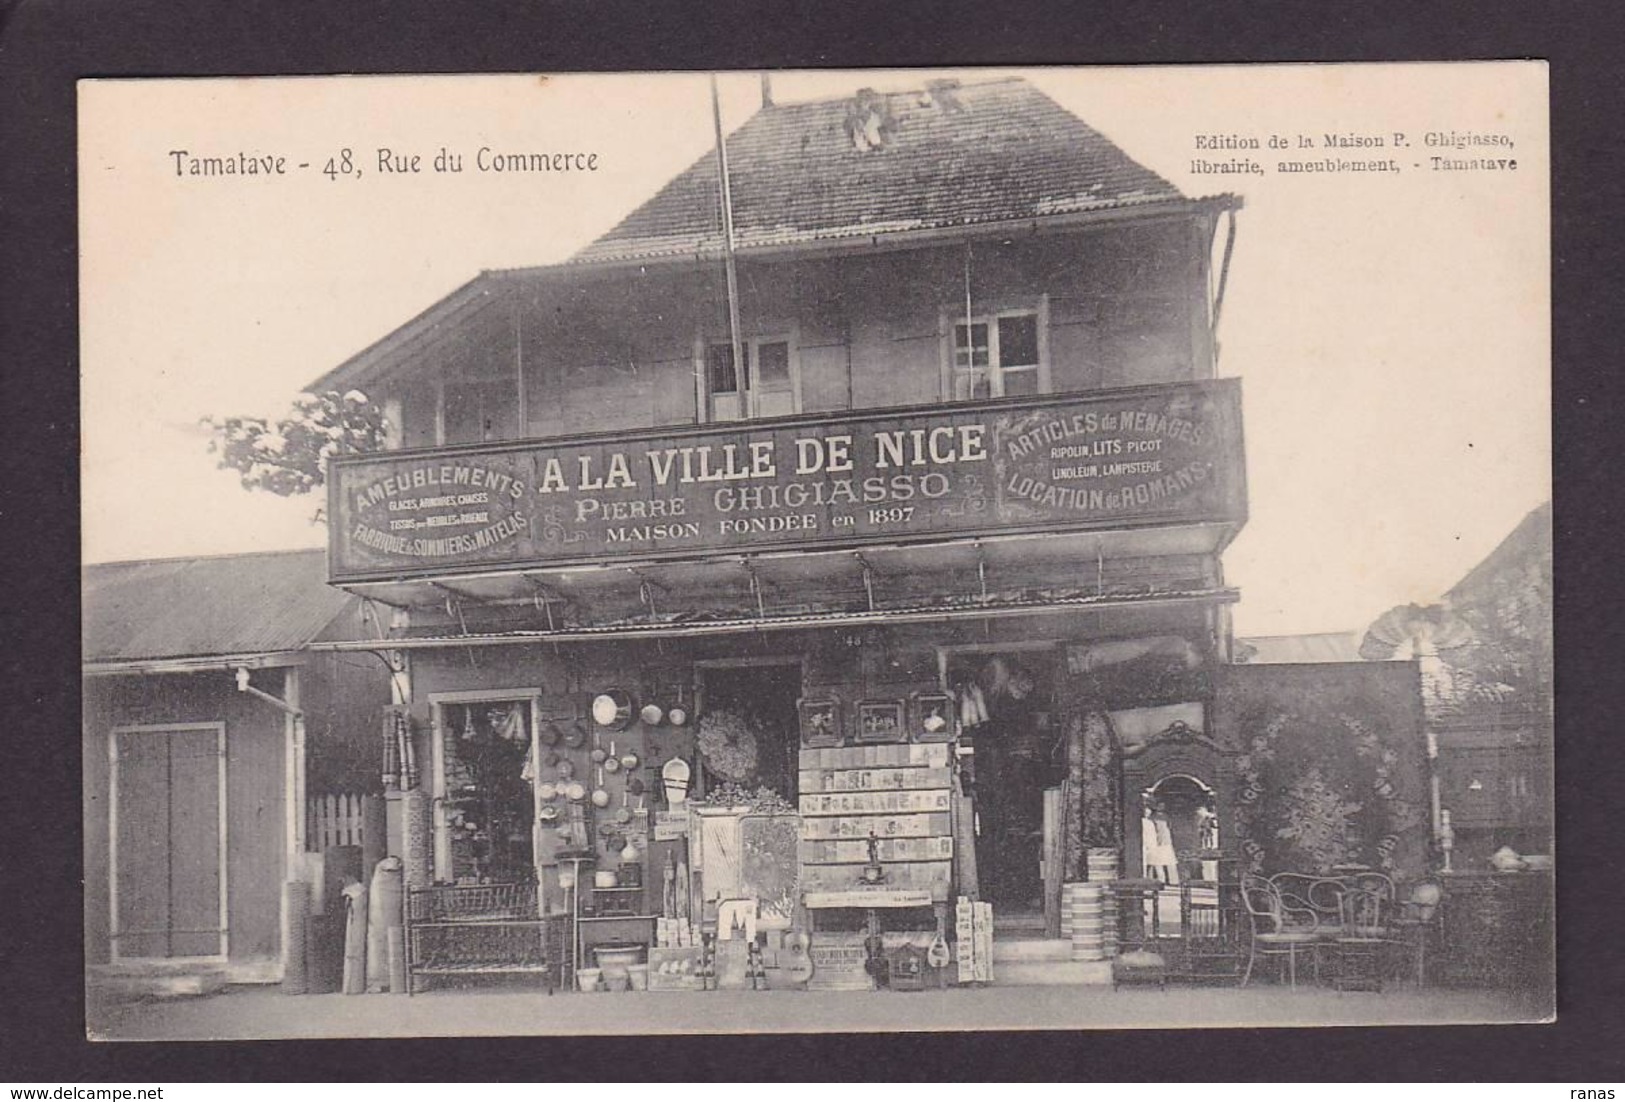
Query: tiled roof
point(262, 603)
point(1527, 546)
point(962, 155)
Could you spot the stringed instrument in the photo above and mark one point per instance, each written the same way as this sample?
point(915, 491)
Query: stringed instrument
point(795, 962)
point(874, 951)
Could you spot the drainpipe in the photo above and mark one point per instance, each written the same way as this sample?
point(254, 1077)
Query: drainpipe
point(294, 774)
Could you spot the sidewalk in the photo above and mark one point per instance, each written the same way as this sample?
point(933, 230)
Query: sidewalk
point(250, 1013)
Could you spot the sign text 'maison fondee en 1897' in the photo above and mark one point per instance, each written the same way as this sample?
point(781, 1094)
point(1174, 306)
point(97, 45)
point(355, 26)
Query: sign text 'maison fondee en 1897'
point(1151, 455)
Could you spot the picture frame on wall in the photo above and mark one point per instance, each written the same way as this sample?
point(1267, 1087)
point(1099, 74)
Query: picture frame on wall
point(931, 717)
point(880, 721)
point(821, 724)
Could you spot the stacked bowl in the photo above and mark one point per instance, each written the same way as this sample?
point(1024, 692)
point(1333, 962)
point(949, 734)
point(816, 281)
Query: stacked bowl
point(1084, 903)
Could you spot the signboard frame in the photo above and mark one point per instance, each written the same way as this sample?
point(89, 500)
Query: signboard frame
point(487, 485)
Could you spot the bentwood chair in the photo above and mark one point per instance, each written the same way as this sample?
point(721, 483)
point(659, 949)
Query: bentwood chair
point(1417, 921)
point(1365, 938)
point(1278, 929)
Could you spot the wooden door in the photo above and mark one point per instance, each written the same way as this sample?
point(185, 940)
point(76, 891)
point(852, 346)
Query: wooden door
point(168, 810)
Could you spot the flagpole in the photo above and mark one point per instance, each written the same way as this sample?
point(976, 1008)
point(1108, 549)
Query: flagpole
point(747, 394)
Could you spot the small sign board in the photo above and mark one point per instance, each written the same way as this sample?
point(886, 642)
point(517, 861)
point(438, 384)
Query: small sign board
point(670, 825)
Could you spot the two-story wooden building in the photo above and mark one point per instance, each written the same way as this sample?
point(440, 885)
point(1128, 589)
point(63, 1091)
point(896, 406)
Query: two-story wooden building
point(947, 484)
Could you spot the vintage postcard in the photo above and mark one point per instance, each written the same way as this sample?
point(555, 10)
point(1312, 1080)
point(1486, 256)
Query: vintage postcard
point(817, 551)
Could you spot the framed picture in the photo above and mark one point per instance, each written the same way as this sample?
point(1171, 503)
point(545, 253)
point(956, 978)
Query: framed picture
point(931, 717)
point(881, 721)
point(821, 722)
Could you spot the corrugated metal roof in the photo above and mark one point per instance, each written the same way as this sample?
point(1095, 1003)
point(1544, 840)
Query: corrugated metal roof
point(1328, 646)
point(260, 603)
point(959, 156)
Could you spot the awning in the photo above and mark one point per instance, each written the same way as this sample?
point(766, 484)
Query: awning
point(691, 628)
point(897, 575)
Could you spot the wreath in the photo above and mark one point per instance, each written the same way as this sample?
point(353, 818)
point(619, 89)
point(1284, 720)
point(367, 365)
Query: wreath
point(727, 745)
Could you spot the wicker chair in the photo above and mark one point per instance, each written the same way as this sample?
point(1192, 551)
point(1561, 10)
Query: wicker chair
point(1279, 929)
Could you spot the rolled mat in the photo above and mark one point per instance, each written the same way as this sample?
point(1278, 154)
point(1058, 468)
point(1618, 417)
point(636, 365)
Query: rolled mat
point(355, 940)
point(419, 839)
point(397, 960)
point(295, 918)
point(383, 911)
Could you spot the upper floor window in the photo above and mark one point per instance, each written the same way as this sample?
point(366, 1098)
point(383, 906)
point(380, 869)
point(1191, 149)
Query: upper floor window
point(997, 355)
point(476, 412)
point(768, 387)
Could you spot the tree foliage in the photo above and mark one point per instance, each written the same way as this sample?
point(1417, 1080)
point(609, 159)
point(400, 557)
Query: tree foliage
point(289, 456)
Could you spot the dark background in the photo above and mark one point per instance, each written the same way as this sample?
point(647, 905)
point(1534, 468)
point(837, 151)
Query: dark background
point(45, 46)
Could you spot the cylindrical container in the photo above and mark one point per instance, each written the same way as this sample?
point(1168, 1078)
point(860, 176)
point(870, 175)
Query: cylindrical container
point(638, 975)
point(587, 979)
point(295, 919)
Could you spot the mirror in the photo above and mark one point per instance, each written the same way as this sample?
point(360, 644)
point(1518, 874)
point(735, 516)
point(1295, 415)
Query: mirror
point(1179, 830)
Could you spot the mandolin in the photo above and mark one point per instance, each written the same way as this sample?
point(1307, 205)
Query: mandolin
point(795, 962)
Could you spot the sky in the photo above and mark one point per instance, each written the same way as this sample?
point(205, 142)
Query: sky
point(1391, 331)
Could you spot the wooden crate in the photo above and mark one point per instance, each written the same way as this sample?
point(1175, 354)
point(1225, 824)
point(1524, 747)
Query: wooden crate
point(688, 980)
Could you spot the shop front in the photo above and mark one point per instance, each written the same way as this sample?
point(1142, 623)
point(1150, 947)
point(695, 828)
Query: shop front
point(763, 704)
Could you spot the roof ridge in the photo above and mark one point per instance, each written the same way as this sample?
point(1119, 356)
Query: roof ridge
point(956, 83)
point(152, 560)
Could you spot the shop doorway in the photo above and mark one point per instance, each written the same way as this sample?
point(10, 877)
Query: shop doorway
point(1018, 754)
point(763, 693)
point(485, 808)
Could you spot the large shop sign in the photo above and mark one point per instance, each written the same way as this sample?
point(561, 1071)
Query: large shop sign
point(1150, 455)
